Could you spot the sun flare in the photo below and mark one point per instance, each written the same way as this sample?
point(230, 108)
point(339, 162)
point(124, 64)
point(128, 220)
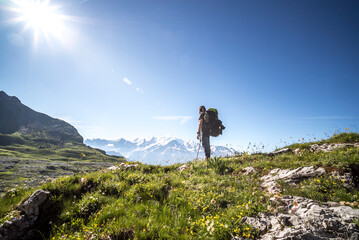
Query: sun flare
point(40, 16)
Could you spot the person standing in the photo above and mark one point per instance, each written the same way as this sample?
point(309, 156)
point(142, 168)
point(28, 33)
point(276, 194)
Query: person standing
point(203, 132)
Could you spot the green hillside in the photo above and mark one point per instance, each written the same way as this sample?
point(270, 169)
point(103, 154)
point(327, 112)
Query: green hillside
point(198, 200)
point(35, 147)
point(16, 117)
point(30, 160)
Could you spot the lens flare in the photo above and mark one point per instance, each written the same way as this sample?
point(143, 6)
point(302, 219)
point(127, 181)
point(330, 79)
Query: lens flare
point(41, 17)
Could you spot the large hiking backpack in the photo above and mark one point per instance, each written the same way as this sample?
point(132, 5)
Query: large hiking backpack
point(215, 125)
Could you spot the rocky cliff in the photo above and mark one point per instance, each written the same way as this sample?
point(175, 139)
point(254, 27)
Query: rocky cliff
point(16, 117)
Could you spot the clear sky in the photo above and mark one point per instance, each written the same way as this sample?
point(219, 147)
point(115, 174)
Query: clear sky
point(276, 70)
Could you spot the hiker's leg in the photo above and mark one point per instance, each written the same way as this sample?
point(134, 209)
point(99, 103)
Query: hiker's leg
point(209, 149)
point(206, 145)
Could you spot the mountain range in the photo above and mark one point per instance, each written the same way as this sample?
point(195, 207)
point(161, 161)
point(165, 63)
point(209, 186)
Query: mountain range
point(156, 150)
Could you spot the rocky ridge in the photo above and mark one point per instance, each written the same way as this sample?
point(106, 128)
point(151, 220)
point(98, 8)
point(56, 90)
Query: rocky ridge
point(299, 217)
point(16, 117)
point(302, 218)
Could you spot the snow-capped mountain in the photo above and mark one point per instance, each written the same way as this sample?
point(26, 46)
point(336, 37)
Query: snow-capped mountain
point(156, 150)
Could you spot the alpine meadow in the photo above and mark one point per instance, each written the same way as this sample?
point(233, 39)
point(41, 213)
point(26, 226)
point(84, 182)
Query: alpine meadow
point(179, 120)
point(300, 193)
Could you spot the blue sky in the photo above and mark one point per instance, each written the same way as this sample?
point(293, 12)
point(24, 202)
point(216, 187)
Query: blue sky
point(277, 71)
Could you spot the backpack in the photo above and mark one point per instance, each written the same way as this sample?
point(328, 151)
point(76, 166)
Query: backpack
point(215, 125)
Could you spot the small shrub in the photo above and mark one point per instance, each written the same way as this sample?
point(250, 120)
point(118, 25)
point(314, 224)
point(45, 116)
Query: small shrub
point(217, 164)
point(134, 178)
point(112, 187)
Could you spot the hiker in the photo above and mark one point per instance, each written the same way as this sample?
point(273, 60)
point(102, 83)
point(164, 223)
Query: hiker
point(203, 132)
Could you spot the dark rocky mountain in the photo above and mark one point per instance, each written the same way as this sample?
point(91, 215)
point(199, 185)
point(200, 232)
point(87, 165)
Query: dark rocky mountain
point(16, 117)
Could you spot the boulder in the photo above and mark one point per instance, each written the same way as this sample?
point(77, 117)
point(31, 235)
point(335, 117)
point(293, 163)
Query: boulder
point(281, 151)
point(248, 171)
point(21, 227)
point(31, 206)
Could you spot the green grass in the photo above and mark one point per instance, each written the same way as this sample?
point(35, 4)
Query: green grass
point(5, 175)
point(324, 189)
point(37, 147)
point(154, 202)
point(207, 200)
point(68, 152)
point(27, 157)
point(10, 199)
point(9, 139)
point(343, 137)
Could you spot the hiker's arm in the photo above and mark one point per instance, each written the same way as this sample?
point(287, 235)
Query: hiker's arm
point(199, 128)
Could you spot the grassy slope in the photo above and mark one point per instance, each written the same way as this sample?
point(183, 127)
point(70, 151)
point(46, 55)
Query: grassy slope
point(30, 147)
point(154, 202)
point(345, 137)
point(32, 158)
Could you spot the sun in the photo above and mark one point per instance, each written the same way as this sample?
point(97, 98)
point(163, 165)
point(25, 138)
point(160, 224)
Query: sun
point(39, 15)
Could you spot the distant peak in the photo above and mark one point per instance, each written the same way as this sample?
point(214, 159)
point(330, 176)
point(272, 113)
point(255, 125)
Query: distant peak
point(3, 96)
point(16, 116)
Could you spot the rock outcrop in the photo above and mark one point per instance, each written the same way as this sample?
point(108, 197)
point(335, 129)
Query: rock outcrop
point(182, 168)
point(21, 227)
point(124, 166)
point(327, 147)
point(303, 218)
point(289, 176)
point(248, 171)
point(281, 151)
